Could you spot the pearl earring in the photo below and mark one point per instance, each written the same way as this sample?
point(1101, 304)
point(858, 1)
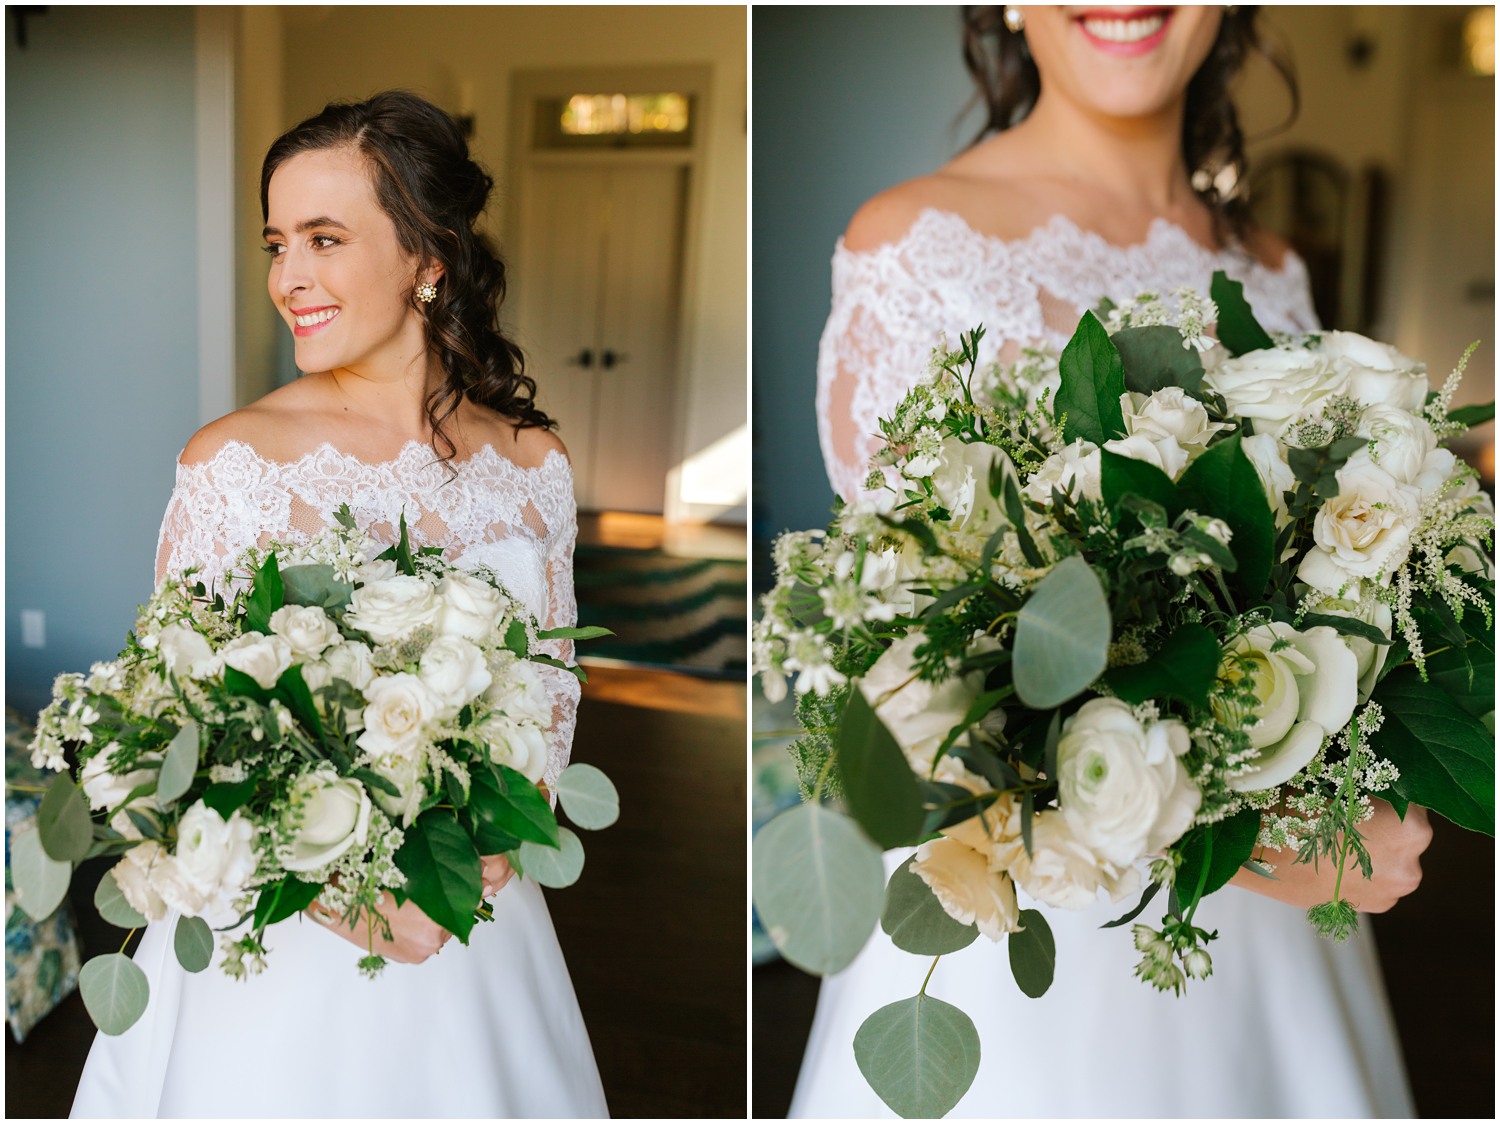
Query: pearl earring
point(1015, 19)
point(426, 292)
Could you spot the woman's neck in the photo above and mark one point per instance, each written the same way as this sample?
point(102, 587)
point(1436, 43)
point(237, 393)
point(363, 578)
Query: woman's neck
point(393, 400)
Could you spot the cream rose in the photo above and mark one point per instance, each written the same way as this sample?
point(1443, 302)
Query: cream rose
point(306, 628)
point(1378, 374)
point(375, 570)
point(1169, 415)
point(454, 671)
point(521, 745)
point(967, 889)
point(184, 650)
point(961, 483)
point(216, 856)
point(389, 609)
point(1305, 690)
point(327, 815)
point(397, 709)
point(262, 658)
point(1276, 386)
point(1164, 454)
point(519, 693)
point(918, 713)
point(1062, 870)
point(1075, 471)
point(1121, 785)
point(350, 661)
point(1268, 455)
point(469, 607)
point(1364, 532)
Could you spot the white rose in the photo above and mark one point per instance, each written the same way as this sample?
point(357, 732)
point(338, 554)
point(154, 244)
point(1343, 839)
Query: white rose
point(185, 651)
point(918, 713)
point(1170, 415)
point(216, 856)
point(961, 483)
point(1370, 656)
point(1074, 471)
point(519, 692)
point(334, 815)
point(306, 628)
point(133, 876)
point(387, 610)
point(966, 888)
point(1378, 374)
point(1164, 454)
point(1304, 691)
point(397, 708)
point(350, 661)
point(172, 885)
point(375, 570)
point(521, 745)
point(406, 774)
point(1406, 447)
point(1063, 871)
point(1472, 556)
point(1121, 785)
point(263, 658)
point(454, 671)
point(1275, 386)
point(470, 607)
point(1268, 455)
point(106, 789)
point(1365, 531)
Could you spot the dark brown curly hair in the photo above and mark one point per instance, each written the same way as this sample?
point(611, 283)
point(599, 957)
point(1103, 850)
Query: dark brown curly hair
point(434, 193)
point(1212, 141)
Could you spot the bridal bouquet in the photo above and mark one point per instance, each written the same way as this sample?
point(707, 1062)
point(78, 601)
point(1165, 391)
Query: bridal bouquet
point(339, 725)
point(1113, 621)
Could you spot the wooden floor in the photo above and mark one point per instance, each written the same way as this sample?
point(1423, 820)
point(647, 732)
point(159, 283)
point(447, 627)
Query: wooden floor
point(652, 532)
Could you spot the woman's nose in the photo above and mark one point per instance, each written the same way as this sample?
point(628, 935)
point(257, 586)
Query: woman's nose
point(292, 273)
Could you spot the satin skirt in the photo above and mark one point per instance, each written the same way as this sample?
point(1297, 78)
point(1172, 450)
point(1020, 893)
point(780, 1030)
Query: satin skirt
point(1288, 1025)
point(488, 1030)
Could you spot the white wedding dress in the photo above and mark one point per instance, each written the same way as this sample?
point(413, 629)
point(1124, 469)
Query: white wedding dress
point(488, 1030)
point(1288, 1025)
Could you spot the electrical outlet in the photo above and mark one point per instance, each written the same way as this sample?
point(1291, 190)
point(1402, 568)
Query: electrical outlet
point(33, 628)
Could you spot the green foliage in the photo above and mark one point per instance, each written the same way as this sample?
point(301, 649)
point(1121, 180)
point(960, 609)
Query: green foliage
point(110, 901)
point(554, 867)
point(508, 801)
point(193, 942)
point(914, 919)
point(315, 584)
point(1062, 636)
point(588, 632)
point(1238, 330)
point(266, 596)
point(1185, 667)
point(1224, 484)
point(1337, 921)
point(1154, 359)
point(1121, 476)
point(226, 798)
point(282, 898)
point(180, 764)
point(442, 871)
point(62, 821)
point(587, 796)
point(114, 991)
point(920, 1055)
point(40, 881)
point(879, 786)
point(1473, 415)
point(1088, 401)
point(1233, 842)
point(1033, 954)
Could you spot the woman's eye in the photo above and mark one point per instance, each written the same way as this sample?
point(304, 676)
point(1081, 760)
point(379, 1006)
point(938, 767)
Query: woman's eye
point(274, 249)
point(324, 241)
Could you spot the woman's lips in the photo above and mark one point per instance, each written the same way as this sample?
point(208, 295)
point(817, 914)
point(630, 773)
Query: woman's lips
point(310, 321)
point(1127, 32)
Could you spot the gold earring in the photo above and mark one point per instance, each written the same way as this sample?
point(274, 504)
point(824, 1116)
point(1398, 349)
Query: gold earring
point(1015, 19)
point(426, 292)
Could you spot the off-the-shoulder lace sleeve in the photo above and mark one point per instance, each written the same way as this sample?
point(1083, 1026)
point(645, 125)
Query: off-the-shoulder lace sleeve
point(562, 611)
point(893, 304)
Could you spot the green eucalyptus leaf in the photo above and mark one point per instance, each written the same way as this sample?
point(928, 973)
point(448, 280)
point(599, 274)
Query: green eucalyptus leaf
point(115, 992)
point(40, 881)
point(1154, 359)
point(316, 585)
point(1033, 954)
point(1185, 667)
point(920, 1055)
point(110, 901)
point(587, 796)
point(1088, 398)
point(442, 871)
point(1062, 636)
point(878, 782)
point(62, 821)
point(557, 866)
point(915, 920)
point(180, 764)
point(818, 886)
point(193, 941)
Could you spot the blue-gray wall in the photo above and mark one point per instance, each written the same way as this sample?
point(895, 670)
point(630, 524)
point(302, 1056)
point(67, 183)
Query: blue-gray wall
point(101, 382)
point(847, 101)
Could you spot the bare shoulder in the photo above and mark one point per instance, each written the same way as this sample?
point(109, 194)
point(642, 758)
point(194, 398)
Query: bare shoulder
point(1267, 247)
point(273, 426)
point(527, 446)
point(887, 217)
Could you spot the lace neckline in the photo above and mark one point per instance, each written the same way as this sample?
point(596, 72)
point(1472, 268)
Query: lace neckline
point(1162, 236)
point(413, 456)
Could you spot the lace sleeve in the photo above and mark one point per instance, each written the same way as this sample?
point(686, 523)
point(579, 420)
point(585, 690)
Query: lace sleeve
point(562, 611)
point(217, 509)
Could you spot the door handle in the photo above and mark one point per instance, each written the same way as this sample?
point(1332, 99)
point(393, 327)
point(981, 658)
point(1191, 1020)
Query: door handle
point(609, 358)
point(584, 358)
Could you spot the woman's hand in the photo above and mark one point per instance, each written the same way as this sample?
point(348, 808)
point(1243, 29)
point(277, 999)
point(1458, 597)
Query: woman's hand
point(495, 873)
point(1395, 847)
point(414, 936)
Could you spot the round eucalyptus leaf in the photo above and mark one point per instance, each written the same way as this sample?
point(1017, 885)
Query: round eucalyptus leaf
point(588, 796)
point(1062, 636)
point(554, 866)
point(63, 821)
point(916, 921)
point(110, 901)
point(180, 764)
point(194, 942)
point(1033, 954)
point(40, 881)
point(919, 1055)
point(818, 884)
point(115, 992)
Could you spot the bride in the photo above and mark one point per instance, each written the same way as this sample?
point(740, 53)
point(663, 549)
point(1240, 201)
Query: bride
point(412, 403)
point(1110, 172)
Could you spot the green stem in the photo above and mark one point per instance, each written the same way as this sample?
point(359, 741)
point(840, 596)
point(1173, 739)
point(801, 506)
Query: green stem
point(823, 776)
point(127, 939)
point(923, 989)
point(1208, 854)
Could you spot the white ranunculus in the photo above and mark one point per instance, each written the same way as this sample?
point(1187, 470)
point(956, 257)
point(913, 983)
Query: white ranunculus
point(388, 610)
point(133, 875)
point(1074, 471)
point(454, 671)
point(966, 888)
point(1406, 447)
point(1268, 455)
point(1164, 454)
point(328, 814)
point(306, 628)
point(262, 658)
point(1305, 690)
point(469, 607)
point(1370, 656)
point(216, 856)
point(1121, 785)
point(1364, 532)
point(184, 650)
point(1276, 386)
point(521, 745)
point(397, 710)
point(106, 789)
point(1378, 374)
point(917, 712)
point(1062, 870)
point(520, 693)
point(961, 483)
point(1170, 415)
point(350, 661)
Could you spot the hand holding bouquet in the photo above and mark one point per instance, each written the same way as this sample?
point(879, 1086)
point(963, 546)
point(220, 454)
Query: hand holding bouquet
point(1112, 621)
point(343, 725)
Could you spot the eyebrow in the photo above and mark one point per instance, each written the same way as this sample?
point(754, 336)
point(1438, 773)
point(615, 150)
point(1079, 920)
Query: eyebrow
point(310, 224)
